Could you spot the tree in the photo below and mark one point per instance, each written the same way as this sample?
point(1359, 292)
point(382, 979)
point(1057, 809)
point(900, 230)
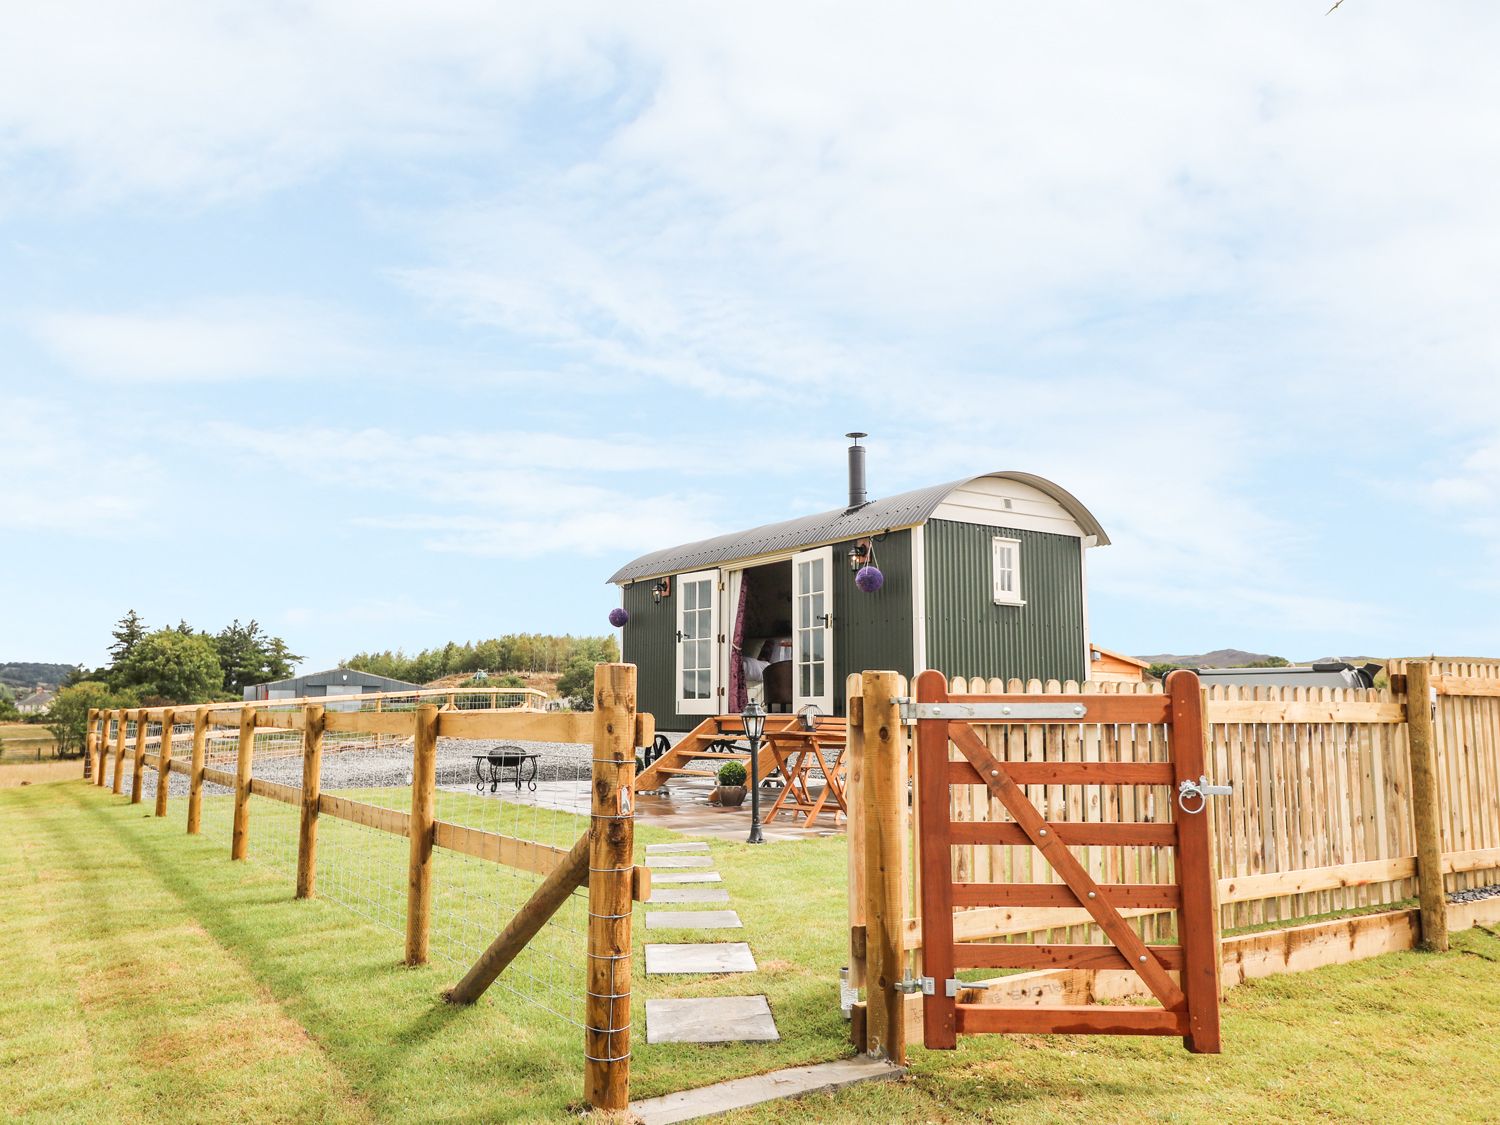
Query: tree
point(174, 668)
point(248, 656)
point(68, 717)
point(1160, 671)
point(128, 632)
point(577, 681)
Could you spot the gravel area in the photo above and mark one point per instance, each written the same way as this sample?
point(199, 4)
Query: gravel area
point(1476, 894)
point(391, 766)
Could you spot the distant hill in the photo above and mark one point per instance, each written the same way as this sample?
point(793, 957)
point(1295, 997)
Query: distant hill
point(1219, 658)
point(23, 674)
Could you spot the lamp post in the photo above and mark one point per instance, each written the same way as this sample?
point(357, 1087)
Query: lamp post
point(754, 718)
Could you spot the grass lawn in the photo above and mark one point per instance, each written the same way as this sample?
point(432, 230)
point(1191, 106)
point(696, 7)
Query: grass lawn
point(150, 979)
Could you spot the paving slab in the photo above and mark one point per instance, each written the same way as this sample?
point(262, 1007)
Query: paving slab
point(667, 861)
point(710, 1019)
point(700, 957)
point(693, 920)
point(668, 895)
point(686, 877)
point(668, 849)
point(794, 1082)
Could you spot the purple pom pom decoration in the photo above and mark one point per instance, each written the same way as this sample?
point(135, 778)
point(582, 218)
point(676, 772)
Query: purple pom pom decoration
point(869, 579)
point(618, 617)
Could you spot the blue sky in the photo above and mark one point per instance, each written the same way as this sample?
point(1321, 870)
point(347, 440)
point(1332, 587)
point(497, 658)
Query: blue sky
point(388, 326)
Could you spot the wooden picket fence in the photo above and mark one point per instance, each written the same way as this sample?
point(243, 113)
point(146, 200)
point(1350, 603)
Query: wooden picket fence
point(1337, 796)
point(601, 859)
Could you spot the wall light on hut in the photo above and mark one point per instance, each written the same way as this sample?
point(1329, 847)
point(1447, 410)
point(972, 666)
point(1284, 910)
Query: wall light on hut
point(661, 588)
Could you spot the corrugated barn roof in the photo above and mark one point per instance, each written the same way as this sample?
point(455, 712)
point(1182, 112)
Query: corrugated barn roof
point(906, 509)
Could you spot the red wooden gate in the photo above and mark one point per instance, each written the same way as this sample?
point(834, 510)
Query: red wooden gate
point(1190, 1003)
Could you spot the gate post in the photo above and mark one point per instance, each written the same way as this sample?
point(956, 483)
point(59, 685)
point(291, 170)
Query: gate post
point(1200, 922)
point(606, 1036)
point(1426, 810)
point(89, 746)
point(887, 819)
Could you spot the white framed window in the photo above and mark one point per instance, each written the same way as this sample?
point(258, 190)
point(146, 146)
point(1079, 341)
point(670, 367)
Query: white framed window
point(697, 648)
point(1005, 555)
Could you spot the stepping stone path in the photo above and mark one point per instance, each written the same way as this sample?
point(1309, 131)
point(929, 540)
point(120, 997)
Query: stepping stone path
point(714, 1019)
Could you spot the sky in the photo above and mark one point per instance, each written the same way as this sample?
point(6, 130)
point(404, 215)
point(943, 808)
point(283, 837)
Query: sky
point(388, 325)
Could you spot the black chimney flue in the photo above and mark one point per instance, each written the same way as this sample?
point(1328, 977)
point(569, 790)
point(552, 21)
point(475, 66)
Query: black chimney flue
point(857, 495)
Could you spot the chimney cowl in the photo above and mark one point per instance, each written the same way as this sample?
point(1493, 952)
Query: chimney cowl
point(858, 497)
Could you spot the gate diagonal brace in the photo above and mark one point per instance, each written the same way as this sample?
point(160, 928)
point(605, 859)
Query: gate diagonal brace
point(1084, 889)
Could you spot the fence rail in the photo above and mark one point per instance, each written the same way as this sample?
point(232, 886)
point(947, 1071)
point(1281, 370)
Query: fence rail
point(1338, 797)
point(401, 836)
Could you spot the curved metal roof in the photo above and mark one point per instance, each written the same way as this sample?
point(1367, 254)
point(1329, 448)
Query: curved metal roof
point(906, 509)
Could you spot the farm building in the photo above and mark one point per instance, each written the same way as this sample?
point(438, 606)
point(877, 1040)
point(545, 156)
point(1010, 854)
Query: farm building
point(1107, 666)
point(335, 681)
point(984, 576)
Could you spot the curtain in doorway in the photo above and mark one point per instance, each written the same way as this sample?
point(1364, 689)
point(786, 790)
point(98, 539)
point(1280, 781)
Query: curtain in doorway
point(738, 693)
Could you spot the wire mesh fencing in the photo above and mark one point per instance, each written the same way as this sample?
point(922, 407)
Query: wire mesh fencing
point(477, 833)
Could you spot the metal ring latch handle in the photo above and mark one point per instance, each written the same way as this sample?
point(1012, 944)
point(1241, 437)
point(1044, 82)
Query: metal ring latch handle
point(1199, 792)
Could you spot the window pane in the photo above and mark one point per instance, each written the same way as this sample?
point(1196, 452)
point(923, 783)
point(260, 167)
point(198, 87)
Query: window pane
point(817, 644)
point(806, 672)
point(702, 685)
point(804, 612)
point(817, 679)
point(816, 573)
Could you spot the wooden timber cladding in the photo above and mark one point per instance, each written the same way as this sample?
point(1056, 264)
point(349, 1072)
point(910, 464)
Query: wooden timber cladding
point(1321, 820)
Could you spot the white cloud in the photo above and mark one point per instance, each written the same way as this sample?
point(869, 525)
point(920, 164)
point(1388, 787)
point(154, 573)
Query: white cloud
point(208, 341)
point(64, 471)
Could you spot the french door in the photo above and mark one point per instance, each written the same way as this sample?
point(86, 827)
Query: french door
point(697, 643)
point(812, 629)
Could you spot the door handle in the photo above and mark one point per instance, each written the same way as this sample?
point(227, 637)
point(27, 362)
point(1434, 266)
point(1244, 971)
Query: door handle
point(826, 619)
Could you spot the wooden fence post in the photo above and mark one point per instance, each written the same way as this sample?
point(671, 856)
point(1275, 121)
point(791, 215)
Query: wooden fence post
point(104, 717)
point(312, 773)
point(887, 818)
point(118, 782)
point(141, 725)
point(244, 763)
point(854, 798)
point(195, 773)
point(1426, 810)
point(164, 761)
point(419, 871)
point(606, 1042)
point(90, 745)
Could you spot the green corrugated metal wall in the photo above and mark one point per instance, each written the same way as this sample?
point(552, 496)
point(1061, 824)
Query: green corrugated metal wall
point(969, 635)
point(648, 641)
point(873, 631)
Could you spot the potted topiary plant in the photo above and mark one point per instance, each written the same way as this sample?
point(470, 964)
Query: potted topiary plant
point(731, 790)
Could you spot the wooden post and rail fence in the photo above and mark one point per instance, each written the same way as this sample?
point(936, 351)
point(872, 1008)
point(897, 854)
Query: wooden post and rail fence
point(601, 860)
point(1371, 804)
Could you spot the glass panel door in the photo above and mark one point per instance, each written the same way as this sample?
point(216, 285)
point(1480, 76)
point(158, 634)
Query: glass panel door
point(697, 643)
point(812, 629)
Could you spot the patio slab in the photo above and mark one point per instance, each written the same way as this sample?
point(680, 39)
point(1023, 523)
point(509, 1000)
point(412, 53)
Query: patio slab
point(693, 920)
point(686, 877)
point(669, 895)
point(668, 849)
point(689, 1105)
point(696, 957)
point(710, 1019)
point(668, 861)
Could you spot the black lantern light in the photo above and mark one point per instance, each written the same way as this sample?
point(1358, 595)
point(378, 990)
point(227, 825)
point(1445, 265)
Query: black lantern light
point(754, 719)
point(660, 589)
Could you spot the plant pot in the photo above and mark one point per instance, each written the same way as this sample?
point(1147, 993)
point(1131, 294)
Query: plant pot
point(732, 796)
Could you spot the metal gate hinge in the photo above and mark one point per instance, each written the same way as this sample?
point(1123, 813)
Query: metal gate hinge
point(927, 986)
point(903, 703)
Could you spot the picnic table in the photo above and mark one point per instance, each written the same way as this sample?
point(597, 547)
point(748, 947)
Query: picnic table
point(490, 767)
point(797, 755)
